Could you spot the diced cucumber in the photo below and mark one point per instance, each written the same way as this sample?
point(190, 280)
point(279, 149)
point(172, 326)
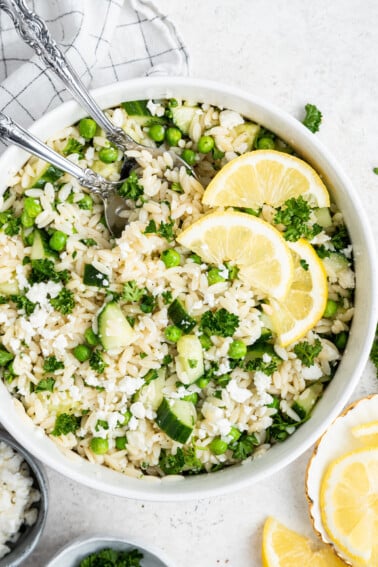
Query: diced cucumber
point(180, 317)
point(136, 108)
point(182, 117)
point(323, 217)
point(151, 395)
point(10, 287)
point(40, 248)
point(258, 350)
point(49, 174)
point(189, 362)
point(93, 276)
point(177, 419)
point(335, 263)
point(106, 169)
point(305, 402)
point(250, 129)
point(114, 331)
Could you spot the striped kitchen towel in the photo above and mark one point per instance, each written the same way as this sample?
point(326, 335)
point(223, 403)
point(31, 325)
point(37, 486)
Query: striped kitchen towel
point(105, 40)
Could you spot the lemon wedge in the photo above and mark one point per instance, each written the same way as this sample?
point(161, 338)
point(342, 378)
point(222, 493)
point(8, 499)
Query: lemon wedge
point(306, 300)
point(367, 433)
point(253, 245)
point(265, 176)
point(349, 505)
point(285, 548)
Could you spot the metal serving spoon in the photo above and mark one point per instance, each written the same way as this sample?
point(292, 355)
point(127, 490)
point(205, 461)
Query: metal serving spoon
point(35, 33)
point(107, 190)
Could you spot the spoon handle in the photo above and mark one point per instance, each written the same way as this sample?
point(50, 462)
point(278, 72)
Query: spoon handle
point(13, 132)
point(35, 33)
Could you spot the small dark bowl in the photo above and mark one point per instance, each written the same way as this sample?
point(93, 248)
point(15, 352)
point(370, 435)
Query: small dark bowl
point(29, 535)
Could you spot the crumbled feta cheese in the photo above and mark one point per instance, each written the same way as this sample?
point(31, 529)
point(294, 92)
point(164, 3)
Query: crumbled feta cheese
point(236, 393)
point(130, 385)
point(230, 119)
point(133, 423)
point(224, 427)
point(155, 109)
point(262, 381)
point(224, 367)
point(42, 292)
point(266, 358)
point(138, 410)
point(60, 343)
point(312, 372)
point(21, 278)
point(346, 279)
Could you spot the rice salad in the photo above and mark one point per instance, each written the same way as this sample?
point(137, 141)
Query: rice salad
point(144, 406)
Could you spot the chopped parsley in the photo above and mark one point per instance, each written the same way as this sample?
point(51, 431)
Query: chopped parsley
point(9, 223)
point(375, 170)
point(64, 302)
point(101, 424)
point(5, 356)
point(374, 350)
point(131, 292)
point(258, 364)
point(307, 352)
point(112, 558)
point(313, 118)
point(176, 186)
point(167, 297)
point(148, 303)
point(184, 461)
point(150, 376)
point(23, 303)
point(340, 239)
point(73, 147)
point(322, 251)
point(43, 270)
point(295, 215)
point(304, 264)
point(131, 188)
point(45, 385)
point(51, 364)
point(281, 428)
point(165, 230)
point(167, 359)
point(221, 323)
point(96, 362)
point(65, 423)
point(244, 446)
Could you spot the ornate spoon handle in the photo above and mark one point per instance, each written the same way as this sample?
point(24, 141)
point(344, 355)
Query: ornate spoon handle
point(13, 132)
point(34, 32)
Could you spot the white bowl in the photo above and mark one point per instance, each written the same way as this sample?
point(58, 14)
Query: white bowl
point(361, 336)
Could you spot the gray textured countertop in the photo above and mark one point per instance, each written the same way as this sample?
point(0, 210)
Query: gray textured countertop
point(288, 53)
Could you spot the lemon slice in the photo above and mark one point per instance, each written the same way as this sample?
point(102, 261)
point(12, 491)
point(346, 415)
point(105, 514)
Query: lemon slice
point(306, 300)
point(265, 176)
point(284, 548)
point(253, 245)
point(367, 433)
point(349, 505)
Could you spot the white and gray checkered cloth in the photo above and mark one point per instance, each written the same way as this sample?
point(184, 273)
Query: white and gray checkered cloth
point(105, 40)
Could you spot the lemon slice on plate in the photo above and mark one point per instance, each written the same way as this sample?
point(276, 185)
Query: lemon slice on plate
point(265, 176)
point(306, 300)
point(253, 245)
point(367, 433)
point(349, 505)
point(285, 548)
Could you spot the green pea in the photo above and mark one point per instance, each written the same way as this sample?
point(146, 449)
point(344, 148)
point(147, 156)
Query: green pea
point(156, 132)
point(86, 203)
point(237, 349)
point(217, 446)
point(205, 342)
point(266, 144)
point(205, 144)
point(235, 433)
point(213, 276)
point(189, 156)
point(91, 337)
point(121, 442)
point(99, 445)
point(173, 333)
point(58, 241)
point(331, 309)
point(82, 353)
point(26, 220)
point(341, 340)
point(87, 128)
point(32, 207)
point(171, 258)
point(193, 397)
point(202, 382)
point(108, 155)
point(173, 136)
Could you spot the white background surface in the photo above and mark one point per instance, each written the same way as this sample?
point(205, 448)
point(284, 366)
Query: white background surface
point(290, 53)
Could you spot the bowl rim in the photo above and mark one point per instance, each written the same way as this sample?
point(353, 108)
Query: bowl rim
point(242, 475)
point(96, 538)
point(39, 474)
